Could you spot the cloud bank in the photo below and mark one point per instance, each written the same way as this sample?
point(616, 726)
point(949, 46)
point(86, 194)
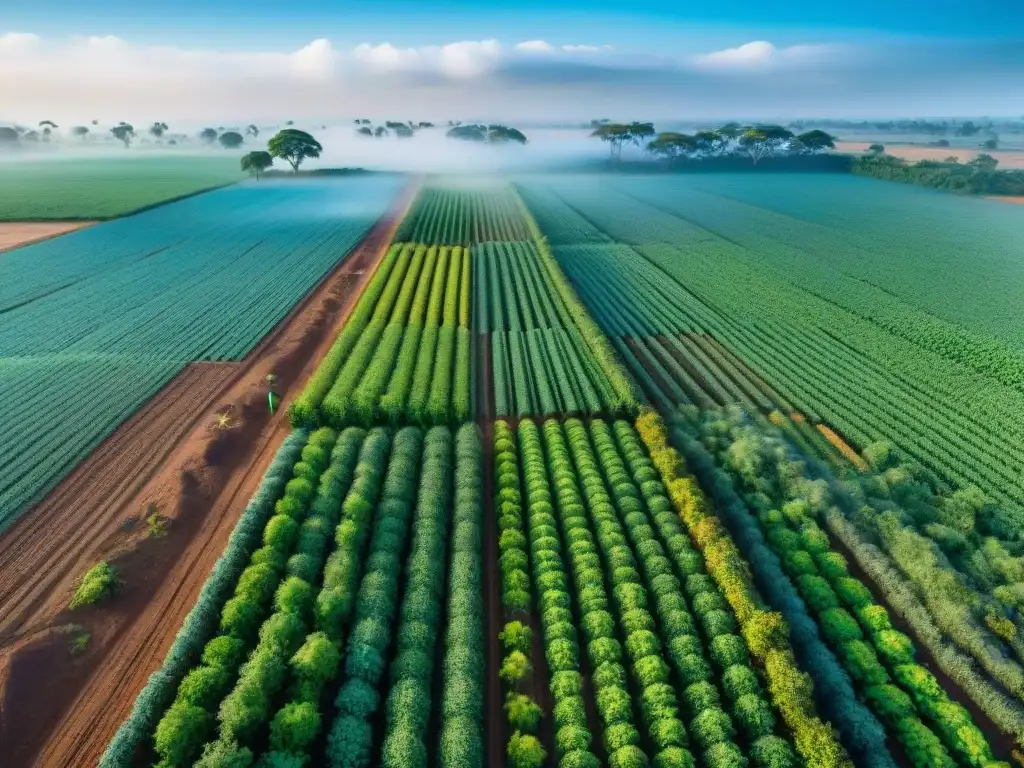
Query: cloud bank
point(109, 78)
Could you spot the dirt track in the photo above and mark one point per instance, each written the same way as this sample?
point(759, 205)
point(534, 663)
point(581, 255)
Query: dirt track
point(17, 233)
point(61, 710)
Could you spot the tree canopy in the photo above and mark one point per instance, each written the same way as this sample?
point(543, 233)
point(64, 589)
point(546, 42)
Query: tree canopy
point(8, 137)
point(209, 135)
point(732, 139)
point(123, 132)
point(230, 140)
point(294, 146)
point(487, 134)
point(256, 162)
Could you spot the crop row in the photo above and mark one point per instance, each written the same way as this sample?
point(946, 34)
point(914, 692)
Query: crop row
point(404, 354)
point(452, 216)
point(608, 552)
point(878, 658)
point(312, 618)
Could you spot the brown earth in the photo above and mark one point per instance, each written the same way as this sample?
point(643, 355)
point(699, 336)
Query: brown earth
point(16, 233)
point(1016, 199)
point(1006, 158)
point(57, 709)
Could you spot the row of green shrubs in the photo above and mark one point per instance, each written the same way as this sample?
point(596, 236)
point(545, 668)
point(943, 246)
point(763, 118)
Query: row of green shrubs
point(674, 574)
point(522, 712)
point(351, 736)
point(203, 620)
point(461, 731)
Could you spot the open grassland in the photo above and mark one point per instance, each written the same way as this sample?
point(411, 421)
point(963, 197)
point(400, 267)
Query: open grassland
point(85, 188)
point(95, 323)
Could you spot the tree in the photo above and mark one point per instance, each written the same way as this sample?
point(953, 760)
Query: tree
point(615, 134)
point(762, 141)
point(123, 132)
point(158, 130)
point(253, 131)
point(80, 131)
point(401, 130)
point(992, 142)
point(31, 136)
point(877, 149)
point(47, 126)
point(953, 160)
point(255, 162)
point(487, 134)
point(9, 137)
point(380, 131)
point(230, 140)
point(968, 128)
point(816, 141)
point(710, 142)
point(294, 146)
point(208, 135)
point(672, 146)
point(365, 130)
point(638, 132)
point(731, 130)
point(984, 162)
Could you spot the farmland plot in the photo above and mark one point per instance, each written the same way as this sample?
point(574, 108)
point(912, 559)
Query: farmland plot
point(96, 322)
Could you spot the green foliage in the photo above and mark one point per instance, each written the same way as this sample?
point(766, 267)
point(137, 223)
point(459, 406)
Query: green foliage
point(523, 713)
point(525, 751)
point(98, 583)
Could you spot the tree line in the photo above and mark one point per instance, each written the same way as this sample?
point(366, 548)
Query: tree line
point(757, 142)
point(975, 177)
point(484, 134)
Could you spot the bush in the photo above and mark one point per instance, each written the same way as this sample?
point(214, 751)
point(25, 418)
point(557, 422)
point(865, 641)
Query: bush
point(571, 738)
point(567, 683)
point(620, 735)
point(570, 711)
point(839, 627)
point(181, 733)
point(894, 647)
point(701, 696)
point(729, 650)
point(668, 732)
point(852, 593)
point(614, 705)
point(99, 582)
point(710, 727)
point(754, 716)
point(628, 757)
point(817, 593)
point(724, 755)
point(523, 713)
point(525, 751)
point(773, 752)
point(673, 757)
point(294, 727)
point(515, 667)
point(862, 662)
point(516, 636)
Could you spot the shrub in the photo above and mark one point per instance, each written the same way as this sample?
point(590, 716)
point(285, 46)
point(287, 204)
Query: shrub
point(673, 757)
point(579, 759)
point(754, 716)
point(609, 674)
point(668, 732)
point(523, 713)
point(515, 667)
point(895, 647)
point(711, 727)
point(460, 743)
point(620, 735)
point(862, 662)
point(628, 757)
point(570, 711)
point(516, 636)
point(524, 751)
point(181, 733)
point(724, 755)
point(650, 670)
point(852, 593)
point(294, 727)
point(614, 705)
point(729, 650)
point(204, 686)
point(817, 593)
point(839, 627)
point(700, 696)
point(773, 752)
point(99, 582)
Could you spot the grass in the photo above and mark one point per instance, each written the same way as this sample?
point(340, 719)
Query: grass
point(79, 641)
point(106, 187)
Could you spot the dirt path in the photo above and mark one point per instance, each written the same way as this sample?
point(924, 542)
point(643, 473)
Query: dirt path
point(61, 710)
point(14, 234)
point(1013, 199)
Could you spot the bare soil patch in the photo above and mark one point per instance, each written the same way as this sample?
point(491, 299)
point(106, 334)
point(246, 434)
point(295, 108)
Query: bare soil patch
point(1015, 199)
point(1006, 158)
point(16, 233)
point(200, 471)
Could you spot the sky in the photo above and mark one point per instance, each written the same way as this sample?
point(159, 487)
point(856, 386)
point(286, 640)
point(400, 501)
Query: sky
point(526, 60)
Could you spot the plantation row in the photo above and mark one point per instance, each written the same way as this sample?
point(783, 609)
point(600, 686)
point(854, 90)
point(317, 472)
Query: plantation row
point(339, 615)
point(404, 354)
point(957, 546)
point(596, 543)
point(103, 318)
point(452, 216)
point(541, 365)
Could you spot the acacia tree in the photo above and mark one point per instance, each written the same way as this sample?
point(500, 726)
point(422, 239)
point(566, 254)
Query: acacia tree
point(365, 130)
point(47, 126)
point(80, 131)
point(639, 132)
point(230, 140)
point(764, 140)
point(672, 146)
point(208, 135)
point(123, 132)
point(815, 141)
point(8, 137)
point(616, 134)
point(158, 130)
point(253, 131)
point(256, 162)
point(294, 146)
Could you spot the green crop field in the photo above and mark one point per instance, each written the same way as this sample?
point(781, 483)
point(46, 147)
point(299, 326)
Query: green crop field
point(627, 471)
point(105, 187)
point(99, 320)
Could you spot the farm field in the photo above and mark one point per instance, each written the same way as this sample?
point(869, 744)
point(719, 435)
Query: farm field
point(567, 488)
point(105, 187)
point(101, 319)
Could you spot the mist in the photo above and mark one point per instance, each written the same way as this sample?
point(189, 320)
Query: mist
point(429, 151)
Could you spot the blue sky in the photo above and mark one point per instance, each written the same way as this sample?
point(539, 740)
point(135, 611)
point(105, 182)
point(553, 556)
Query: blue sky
point(533, 58)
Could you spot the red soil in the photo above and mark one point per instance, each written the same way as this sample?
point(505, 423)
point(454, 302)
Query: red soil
point(14, 234)
point(61, 710)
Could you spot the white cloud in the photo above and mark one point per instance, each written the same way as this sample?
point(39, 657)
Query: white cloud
point(18, 42)
point(761, 55)
point(535, 46)
point(586, 48)
point(469, 58)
